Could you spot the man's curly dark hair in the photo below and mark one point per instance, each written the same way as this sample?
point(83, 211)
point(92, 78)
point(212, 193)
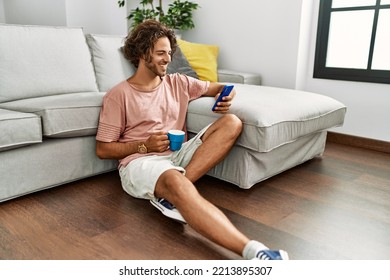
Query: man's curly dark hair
point(140, 42)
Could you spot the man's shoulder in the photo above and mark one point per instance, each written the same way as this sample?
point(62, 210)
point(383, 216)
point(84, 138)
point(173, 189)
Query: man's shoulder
point(117, 90)
point(175, 78)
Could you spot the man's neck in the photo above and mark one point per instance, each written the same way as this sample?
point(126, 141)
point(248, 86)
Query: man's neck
point(144, 82)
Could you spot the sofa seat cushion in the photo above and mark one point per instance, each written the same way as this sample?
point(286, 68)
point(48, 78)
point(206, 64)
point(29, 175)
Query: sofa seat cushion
point(40, 61)
point(271, 116)
point(66, 115)
point(18, 129)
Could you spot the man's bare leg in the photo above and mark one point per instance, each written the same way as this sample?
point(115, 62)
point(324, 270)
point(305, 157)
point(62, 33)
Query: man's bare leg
point(199, 213)
point(217, 142)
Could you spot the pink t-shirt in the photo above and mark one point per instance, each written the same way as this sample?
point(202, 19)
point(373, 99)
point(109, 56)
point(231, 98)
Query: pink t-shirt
point(129, 115)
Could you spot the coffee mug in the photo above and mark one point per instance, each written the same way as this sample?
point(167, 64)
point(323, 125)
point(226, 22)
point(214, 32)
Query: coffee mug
point(176, 138)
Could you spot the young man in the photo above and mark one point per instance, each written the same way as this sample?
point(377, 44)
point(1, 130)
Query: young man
point(134, 120)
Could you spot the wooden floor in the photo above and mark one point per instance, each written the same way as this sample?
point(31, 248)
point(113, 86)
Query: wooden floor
point(334, 207)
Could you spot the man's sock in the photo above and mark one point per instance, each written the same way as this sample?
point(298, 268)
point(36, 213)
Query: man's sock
point(251, 248)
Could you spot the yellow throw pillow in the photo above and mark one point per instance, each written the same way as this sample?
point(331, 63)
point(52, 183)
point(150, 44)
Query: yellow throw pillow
point(202, 58)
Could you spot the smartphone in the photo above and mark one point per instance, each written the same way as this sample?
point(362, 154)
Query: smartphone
point(225, 92)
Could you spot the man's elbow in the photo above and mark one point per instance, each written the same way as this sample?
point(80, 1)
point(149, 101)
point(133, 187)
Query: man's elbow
point(100, 151)
point(100, 154)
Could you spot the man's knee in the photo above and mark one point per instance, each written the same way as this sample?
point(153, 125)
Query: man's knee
point(232, 124)
point(170, 183)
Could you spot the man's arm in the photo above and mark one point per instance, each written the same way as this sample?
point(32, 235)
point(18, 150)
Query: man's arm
point(158, 142)
point(213, 89)
point(115, 150)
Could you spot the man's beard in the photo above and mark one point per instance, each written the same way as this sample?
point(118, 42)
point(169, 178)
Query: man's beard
point(155, 69)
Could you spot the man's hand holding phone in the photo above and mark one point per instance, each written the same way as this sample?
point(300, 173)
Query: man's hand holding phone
point(223, 102)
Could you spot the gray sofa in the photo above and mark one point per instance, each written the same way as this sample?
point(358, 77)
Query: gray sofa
point(52, 80)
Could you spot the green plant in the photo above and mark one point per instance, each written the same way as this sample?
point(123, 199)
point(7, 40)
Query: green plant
point(178, 15)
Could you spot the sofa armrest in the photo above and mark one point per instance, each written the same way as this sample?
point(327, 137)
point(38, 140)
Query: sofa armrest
point(230, 76)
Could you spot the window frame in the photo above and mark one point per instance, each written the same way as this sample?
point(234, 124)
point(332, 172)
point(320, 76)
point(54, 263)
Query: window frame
point(348, 74)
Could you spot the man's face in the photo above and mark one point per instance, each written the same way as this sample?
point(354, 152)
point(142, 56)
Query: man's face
point(160, 57)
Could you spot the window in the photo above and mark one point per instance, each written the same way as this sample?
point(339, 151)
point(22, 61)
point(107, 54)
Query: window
point(353, 41)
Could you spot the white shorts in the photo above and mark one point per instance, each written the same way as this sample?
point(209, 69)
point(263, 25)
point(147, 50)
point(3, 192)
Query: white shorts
point(140, 176)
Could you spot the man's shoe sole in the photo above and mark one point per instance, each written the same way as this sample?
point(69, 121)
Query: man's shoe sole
point(167, 212)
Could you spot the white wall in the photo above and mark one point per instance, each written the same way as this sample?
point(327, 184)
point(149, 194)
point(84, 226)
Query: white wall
point(260, 36)
point(40, 12)
point(2, 14)
point(368, 112)
point(95, 16)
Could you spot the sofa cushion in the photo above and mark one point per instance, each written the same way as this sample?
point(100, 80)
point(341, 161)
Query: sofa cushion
point(66, 115)
point(230, 76)
point(111, 67)
point(39, 61)
point(18, 129)
point(202, 58)
point(180, 64)
point(271, 116)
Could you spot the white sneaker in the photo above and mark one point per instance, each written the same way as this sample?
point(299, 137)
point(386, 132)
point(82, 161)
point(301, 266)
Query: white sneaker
point(168, 209)
point(271, 255)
